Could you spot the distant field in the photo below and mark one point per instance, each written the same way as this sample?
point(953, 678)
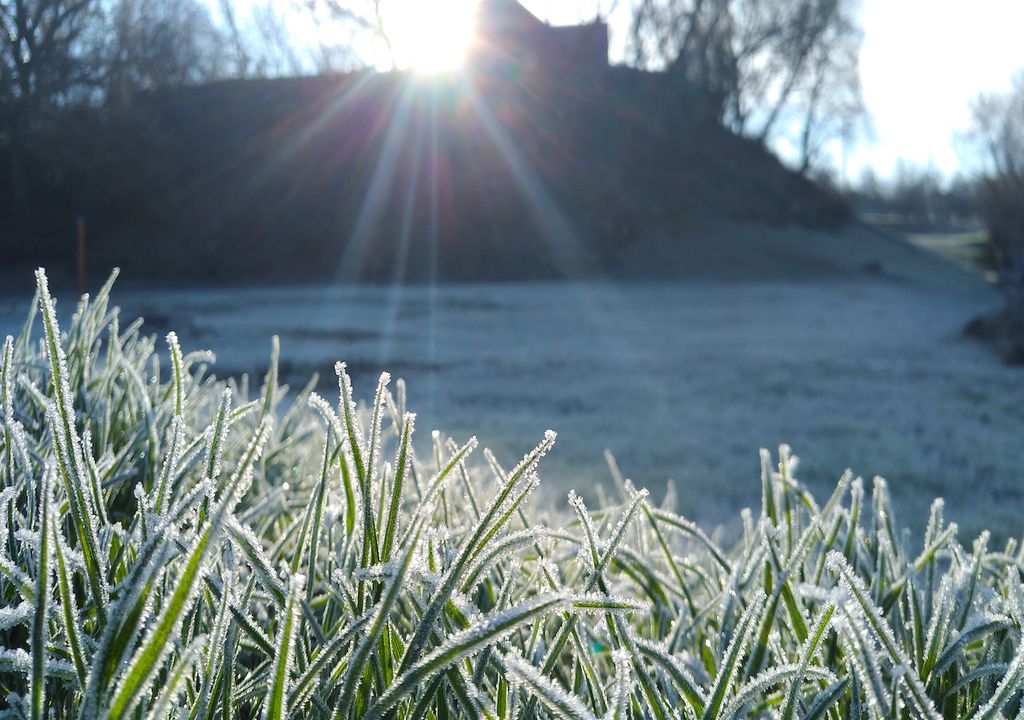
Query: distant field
point(966, 249)
point(680, 381)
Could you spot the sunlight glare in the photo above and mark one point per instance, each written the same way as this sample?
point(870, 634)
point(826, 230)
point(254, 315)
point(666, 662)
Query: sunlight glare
point(431, 36)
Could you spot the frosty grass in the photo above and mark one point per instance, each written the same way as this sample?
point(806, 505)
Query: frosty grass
point(173, 545)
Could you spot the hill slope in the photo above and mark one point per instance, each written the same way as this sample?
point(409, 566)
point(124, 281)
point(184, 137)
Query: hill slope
point(375, 176)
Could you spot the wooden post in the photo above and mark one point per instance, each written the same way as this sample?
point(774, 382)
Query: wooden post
point(81, 255)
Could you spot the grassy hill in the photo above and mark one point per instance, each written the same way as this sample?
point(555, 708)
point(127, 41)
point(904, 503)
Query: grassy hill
point(370, 176)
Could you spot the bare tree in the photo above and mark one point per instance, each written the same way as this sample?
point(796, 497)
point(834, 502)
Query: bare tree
point(158, 43)
point(829, 100)
point(44, 65)
point(263, 43)
point(273, 48)
point(600, 9)
point(239, 46)
point(765, 67)
point(365, 19)
point(998, 133)
point(39, 48)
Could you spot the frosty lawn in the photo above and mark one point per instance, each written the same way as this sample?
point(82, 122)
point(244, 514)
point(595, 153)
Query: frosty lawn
point(172, 545)
point(681, 381)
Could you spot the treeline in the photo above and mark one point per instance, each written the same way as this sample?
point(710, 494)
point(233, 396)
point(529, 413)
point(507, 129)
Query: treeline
point(71, 72)
point(918, 199)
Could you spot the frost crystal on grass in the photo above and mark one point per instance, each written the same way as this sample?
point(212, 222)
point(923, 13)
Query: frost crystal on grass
point(14, 615)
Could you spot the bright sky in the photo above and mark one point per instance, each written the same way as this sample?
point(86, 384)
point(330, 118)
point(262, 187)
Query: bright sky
point(430, 35)
point(922, 62)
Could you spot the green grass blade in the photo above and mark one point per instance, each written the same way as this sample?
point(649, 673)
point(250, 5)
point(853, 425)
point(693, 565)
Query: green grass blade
point(165, 701)
point(401, 468)
point(382, 614)
point(807, 653)
point(40, 615)
point(69, 610)
point(555, 699)
point(485, 632)
point(737, 648)
point(61, 417)
point(276, 705)
point(150, 656)
point(883, 633)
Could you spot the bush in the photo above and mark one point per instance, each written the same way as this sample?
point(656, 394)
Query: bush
point(999, 136)
point(174, 545)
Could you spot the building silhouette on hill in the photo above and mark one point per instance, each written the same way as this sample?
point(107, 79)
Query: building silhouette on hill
point(510, 36)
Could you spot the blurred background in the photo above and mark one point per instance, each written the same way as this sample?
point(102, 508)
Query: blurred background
point(681, 230)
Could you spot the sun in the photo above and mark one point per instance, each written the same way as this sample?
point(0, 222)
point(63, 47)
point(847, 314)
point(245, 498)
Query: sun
point(431, 37)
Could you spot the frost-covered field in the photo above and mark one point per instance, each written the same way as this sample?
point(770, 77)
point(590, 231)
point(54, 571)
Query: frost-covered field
point(218, 555)
point(680, 381)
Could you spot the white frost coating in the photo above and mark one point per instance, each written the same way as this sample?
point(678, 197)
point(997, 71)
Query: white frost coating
point(883, 633)
point(64, 426)
point(862, 656)
point(934, 526)
point(1010, 684)
point(200, 356)
point(813, 593)
point(177, 368)
point(245, 539)
point(549, 570)
point(7, 390)
point(528, 464)
point(623, 664)
point(608, 549)
point(1016, 602)
point(19, 661)
point(329, 416)
point(597, 602)
point(28, 538)
point(276, 703)
point(547, 691)
point(216, 436)
point(765, 681)
point(591, 549)
point(17, 431)
point(347, 403)
point(943, 606)
point(7, 495)
point(241, 478)
point(16, 615)
point(17, 707)
point(499, 550)
point(169, 694)
point(376, 572)
point(376, 421)
point(575, 500)
point(81, 505)
point(487, 631)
